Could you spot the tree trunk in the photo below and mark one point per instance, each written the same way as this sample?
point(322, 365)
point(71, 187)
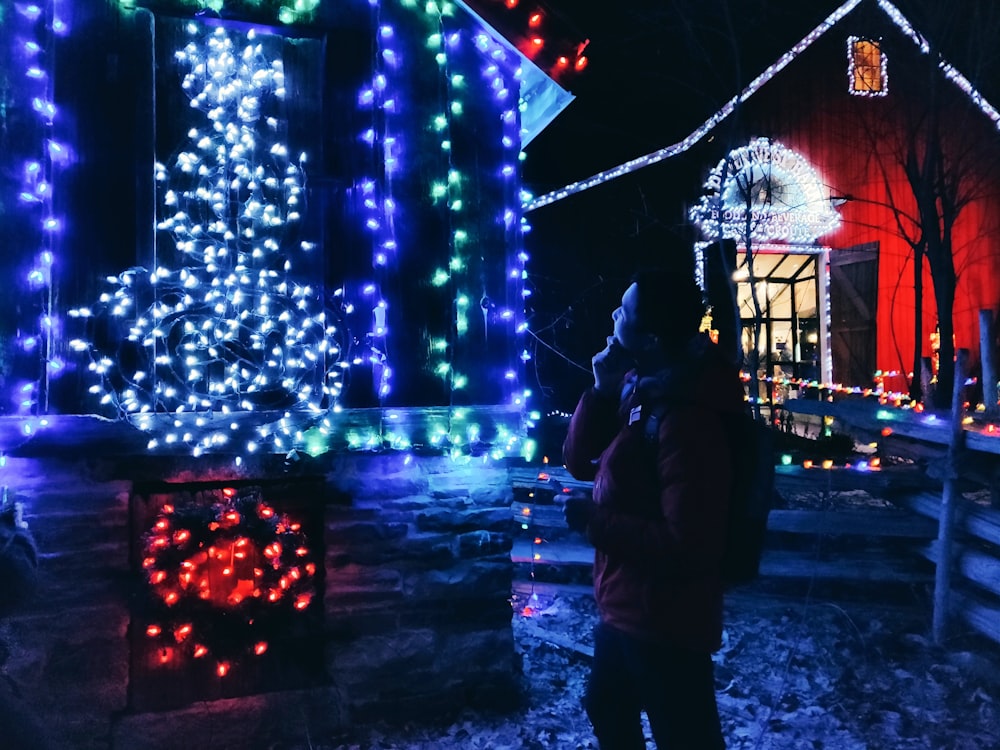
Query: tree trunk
point(916, 390)
point(944, 293)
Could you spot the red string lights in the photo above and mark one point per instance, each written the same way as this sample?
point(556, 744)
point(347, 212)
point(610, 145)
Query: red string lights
point(219, 573)
point(541, 36)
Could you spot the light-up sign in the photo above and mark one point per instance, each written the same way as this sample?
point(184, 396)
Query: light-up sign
point(765, 192)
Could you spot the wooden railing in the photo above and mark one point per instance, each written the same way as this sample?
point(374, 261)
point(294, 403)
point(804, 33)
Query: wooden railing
point(958, 454)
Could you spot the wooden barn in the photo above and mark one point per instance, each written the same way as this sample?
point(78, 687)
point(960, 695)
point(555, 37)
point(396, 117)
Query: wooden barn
point(859, 169)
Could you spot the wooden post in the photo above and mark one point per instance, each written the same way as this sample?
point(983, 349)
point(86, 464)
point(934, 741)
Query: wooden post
point(946, 517)
point(926, 375)
point(720, 262)
point(987, 357)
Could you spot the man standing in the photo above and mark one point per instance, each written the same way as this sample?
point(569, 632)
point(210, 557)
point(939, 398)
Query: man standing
point(658, 515)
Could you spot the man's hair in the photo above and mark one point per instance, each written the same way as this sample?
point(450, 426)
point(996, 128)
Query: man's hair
point(670, 305)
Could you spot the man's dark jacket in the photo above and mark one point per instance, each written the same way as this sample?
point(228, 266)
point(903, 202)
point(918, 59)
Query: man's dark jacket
point(662, 500)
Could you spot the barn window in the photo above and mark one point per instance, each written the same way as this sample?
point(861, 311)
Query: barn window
point(866, 67)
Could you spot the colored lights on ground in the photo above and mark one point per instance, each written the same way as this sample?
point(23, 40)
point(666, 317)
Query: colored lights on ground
point(828, 464)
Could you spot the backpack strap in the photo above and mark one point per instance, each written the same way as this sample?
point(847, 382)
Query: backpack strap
point(629, 384)
point(656, 411)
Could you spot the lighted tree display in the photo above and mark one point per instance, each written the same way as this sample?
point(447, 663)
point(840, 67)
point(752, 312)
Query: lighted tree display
point(404, 324)
point(222, 322)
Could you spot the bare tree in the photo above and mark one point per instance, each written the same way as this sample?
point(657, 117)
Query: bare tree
point(947, 150)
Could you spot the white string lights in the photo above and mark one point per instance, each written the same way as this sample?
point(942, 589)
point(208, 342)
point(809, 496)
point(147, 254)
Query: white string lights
point(226, 321)
point(867, 67)
point(378, 203)
point(531, 202)
point(454, 198)
point(769, 189)
point(223, 324)
point(681, 146)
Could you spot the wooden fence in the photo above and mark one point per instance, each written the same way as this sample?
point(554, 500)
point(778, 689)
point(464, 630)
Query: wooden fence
point(826, 541)
point(958, 457)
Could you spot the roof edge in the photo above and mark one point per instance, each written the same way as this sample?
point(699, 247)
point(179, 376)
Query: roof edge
point(894, 14)
point(542, 98)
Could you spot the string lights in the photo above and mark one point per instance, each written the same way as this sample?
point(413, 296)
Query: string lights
point(223, 577)
point(541, 37)
point(769, 188)
point(452, 206)
point(525, 518)
point(953, 75)
point(867, 68)
point(36, 28)
point(380, 98)
point(229, 327)
point(681, 146)
point(223, 322)
point(284, 11)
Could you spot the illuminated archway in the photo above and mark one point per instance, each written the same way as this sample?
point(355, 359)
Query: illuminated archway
point(765, 192)
point(771, 201)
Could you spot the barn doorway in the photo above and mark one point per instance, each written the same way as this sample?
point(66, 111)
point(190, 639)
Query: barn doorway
point(773, 206)
point(792, 343)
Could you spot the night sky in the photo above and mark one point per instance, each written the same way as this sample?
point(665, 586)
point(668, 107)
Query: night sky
point(656, 71)
point(658, 68)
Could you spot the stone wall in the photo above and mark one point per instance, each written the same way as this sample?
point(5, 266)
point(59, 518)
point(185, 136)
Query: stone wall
point(415, 615)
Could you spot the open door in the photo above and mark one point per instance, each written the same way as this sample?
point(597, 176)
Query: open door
point(853, 311)
point(790, 346)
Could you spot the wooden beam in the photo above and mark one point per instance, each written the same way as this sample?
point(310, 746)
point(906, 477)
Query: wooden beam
point(554, 478)
point(556, 639)
point(544, 516)
point(978, 440)
point(874, 522)
point(976, 520)
point(982, 617)
point(868, 415)
point(854, 567)
point(982, 569)
point(790, 480)
point(950, 498)
point(915, 450)
point(549, 590)
point(987, 358)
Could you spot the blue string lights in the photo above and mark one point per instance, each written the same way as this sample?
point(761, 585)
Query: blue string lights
point(36, 29)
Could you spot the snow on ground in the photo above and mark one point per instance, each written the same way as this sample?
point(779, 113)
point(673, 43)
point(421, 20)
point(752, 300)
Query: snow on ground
point(797, 671)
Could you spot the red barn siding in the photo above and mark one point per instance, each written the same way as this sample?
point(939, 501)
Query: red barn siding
point(808, 108)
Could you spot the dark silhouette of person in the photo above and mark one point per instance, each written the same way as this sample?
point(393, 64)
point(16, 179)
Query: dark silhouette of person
point(657, 517)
